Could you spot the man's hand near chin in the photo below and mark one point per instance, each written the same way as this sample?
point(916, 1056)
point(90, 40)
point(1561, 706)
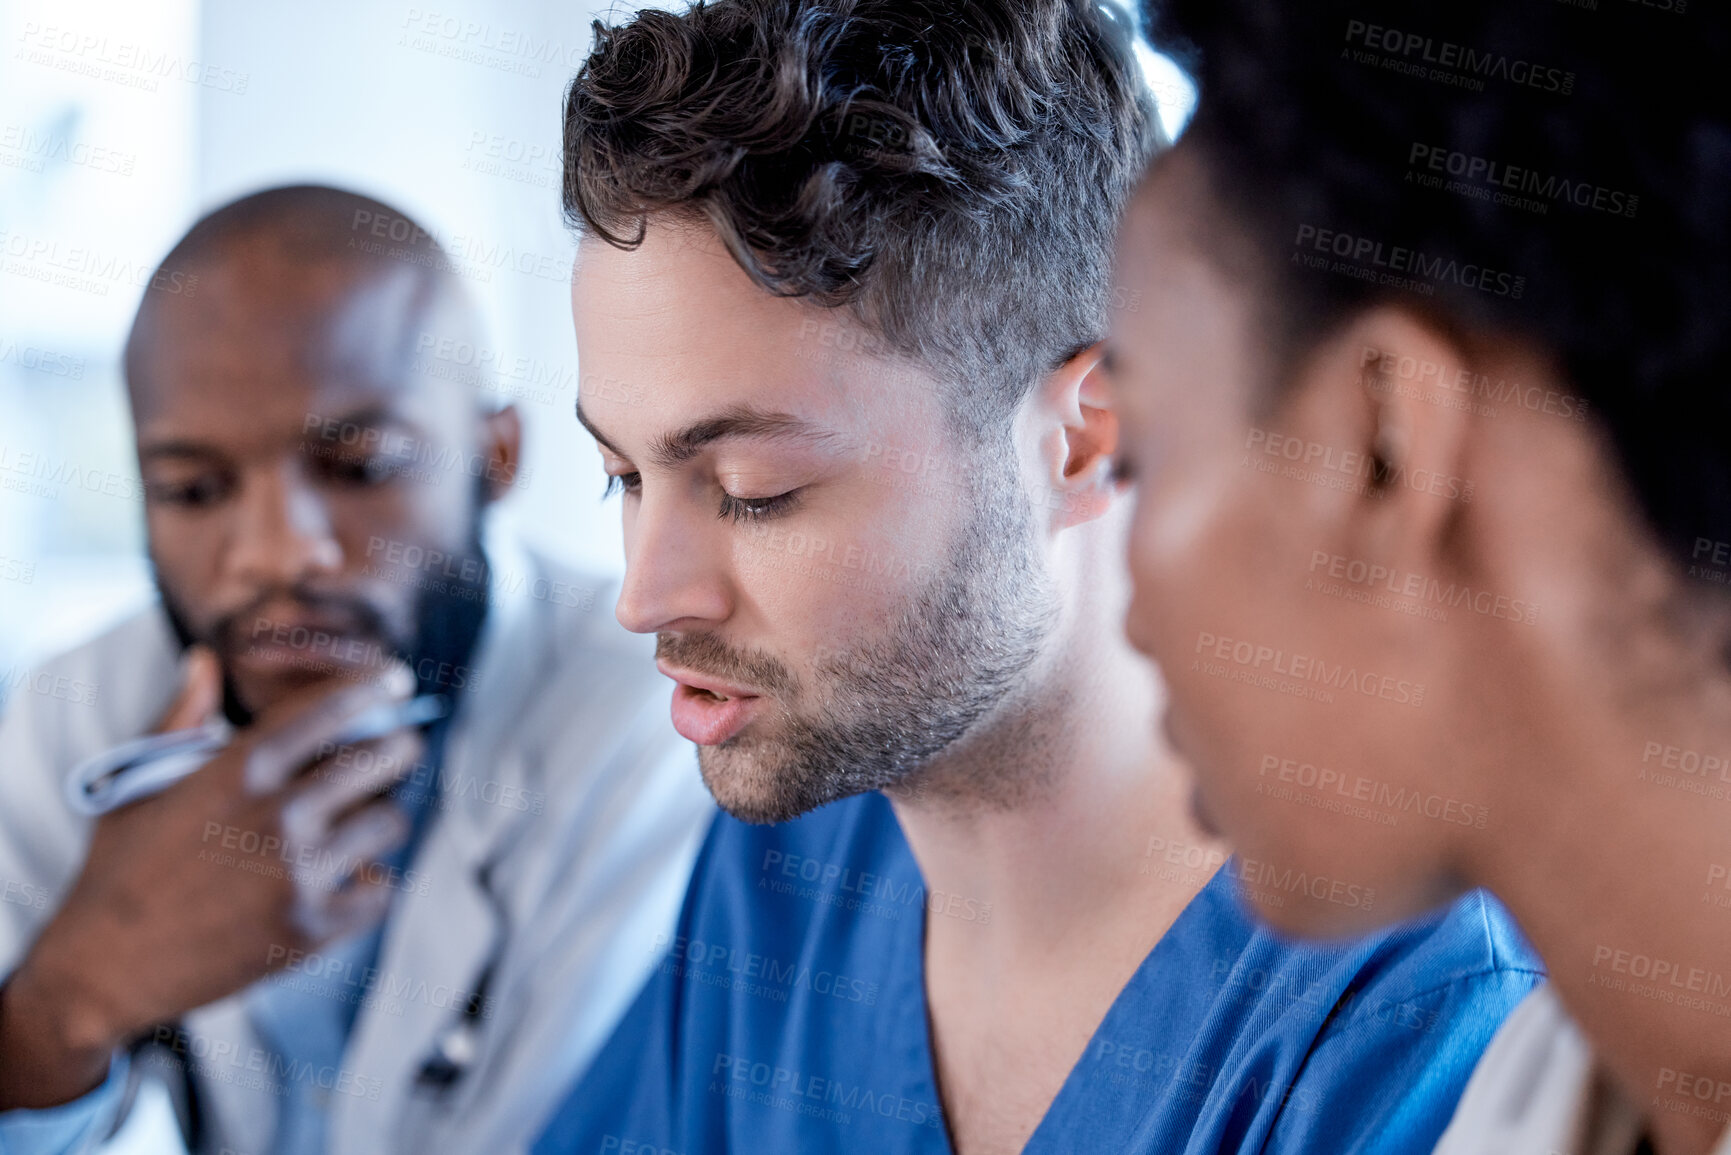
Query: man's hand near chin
point(160, 921)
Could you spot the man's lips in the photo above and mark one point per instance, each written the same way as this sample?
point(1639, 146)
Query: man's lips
point(708, 711)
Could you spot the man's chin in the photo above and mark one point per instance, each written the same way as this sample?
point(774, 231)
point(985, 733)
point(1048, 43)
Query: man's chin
point(752, 792)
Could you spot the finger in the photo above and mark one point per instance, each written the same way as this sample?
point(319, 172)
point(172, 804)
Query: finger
point(355, 908)
point(342, 858)
point(349, 778)
point(200, 692)
point(361, 841)
point(346, 865)
point(291, 733)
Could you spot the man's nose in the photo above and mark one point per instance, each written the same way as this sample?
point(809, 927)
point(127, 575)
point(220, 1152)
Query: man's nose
point(282, 532)
point(674, 570)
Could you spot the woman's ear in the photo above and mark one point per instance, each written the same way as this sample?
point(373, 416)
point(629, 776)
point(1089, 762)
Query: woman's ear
point(1372, 404)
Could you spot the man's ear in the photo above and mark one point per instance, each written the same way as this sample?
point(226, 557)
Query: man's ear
point(1377, 408)
point(502, 442)
point(1079, 438)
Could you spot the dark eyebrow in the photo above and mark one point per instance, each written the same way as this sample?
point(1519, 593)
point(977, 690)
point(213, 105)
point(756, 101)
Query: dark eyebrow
point(367, 417)
point(583, 420)
point(673, 449)
point(178, 449)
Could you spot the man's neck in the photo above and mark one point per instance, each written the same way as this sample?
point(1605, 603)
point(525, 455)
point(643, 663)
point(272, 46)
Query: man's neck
point(1092, 817)
point(1072, 867)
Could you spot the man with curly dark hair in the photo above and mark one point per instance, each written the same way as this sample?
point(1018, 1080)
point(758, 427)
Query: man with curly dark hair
point(1408, 250)
point(842, 279)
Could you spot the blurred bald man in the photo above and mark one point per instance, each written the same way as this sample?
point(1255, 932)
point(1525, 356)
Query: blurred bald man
point(309, 946)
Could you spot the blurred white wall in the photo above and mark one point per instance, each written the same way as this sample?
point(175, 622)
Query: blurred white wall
point(121, 122)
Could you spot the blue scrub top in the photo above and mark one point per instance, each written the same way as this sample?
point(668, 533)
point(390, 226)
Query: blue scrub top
point(789, 1016)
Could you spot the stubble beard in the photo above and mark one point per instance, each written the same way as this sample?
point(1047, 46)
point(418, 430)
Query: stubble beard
point(960, 652)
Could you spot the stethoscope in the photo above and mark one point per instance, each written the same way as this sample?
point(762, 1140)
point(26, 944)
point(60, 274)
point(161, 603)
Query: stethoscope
point(452, 1056)
point(458, 1046)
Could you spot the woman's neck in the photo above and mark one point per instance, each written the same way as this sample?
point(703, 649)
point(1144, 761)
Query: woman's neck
point(1614, 854)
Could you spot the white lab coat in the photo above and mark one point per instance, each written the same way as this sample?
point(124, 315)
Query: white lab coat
point(1539, 1090)
point(568, 711)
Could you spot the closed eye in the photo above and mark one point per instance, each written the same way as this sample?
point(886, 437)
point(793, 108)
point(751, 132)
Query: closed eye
point(757, 508)
point(621, 483)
